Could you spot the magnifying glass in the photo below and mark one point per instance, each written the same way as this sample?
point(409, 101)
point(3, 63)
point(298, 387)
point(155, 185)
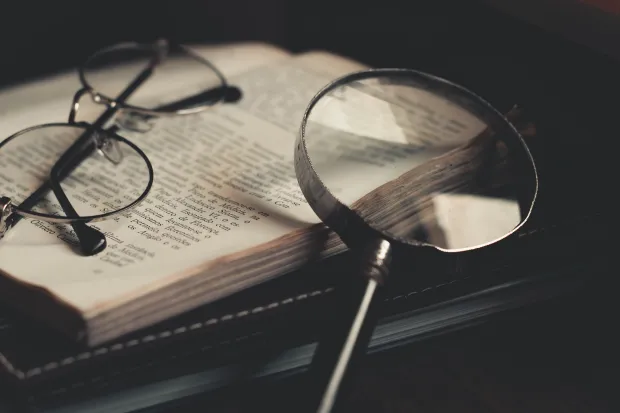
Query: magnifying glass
point(397, 161)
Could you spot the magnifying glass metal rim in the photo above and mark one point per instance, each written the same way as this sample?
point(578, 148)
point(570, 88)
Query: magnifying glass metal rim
point(347, 223)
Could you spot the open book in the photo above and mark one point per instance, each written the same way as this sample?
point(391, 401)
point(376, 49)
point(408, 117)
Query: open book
point(225, 212)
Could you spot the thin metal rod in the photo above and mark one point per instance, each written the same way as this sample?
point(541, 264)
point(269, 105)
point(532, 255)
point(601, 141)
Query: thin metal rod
point(348, 331)
point(355, 341)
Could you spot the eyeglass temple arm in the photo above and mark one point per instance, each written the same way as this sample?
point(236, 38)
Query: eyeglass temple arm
point(231, 94)
point(91, 240)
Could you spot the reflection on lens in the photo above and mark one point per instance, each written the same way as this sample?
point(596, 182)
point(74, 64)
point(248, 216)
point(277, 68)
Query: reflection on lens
point(421, 159)
point(177, 76)
point(108, 176)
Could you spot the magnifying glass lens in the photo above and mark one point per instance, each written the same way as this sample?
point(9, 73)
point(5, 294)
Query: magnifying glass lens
point(420, 159)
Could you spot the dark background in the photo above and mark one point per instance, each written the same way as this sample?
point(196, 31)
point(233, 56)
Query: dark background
point(504, 59)
point(461, 39)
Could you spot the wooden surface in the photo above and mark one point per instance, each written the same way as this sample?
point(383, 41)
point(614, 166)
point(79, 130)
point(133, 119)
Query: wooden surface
point(553, 358)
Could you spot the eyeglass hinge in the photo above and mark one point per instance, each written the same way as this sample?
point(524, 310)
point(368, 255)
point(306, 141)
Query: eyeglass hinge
point(5, 211)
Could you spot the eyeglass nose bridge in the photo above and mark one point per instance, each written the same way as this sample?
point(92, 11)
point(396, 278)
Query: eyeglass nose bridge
point(75, 106)
point(109, 148)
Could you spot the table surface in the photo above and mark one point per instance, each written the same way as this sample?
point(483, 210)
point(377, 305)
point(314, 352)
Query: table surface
point(554, 357)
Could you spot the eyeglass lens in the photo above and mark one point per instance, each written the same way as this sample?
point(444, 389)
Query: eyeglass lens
point(178, 76)
point(109, 178)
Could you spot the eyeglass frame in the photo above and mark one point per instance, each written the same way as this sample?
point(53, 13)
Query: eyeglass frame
point(91, 240)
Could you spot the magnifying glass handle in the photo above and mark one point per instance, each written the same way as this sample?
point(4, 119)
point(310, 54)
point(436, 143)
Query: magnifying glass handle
point(348, 332)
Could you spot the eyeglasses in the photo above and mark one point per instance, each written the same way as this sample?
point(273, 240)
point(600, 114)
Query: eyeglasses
point(79, 172)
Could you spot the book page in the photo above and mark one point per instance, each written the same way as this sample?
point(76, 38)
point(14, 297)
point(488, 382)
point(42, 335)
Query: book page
point(224, 183)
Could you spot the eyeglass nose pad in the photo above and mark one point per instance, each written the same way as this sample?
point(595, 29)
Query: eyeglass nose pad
point(134, 122)
point(110, 149)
